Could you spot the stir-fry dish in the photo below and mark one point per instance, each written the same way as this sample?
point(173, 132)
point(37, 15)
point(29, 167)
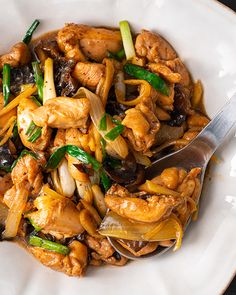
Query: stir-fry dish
point(83, 111)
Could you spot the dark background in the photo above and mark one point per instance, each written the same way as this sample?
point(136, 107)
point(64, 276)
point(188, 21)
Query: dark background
point(232, 288)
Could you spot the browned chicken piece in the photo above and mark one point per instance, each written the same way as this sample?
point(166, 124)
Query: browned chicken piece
point(88, 73)
point(62, 112)
point(139, 248)
point(100, 246)
point(130, 206)
point(5, 183)
point(19, 55)
point(28, 169)
point(142, 125)
point(60, 138)
point(73, 264)
point(184, 88)
point(24, 119)
point(57, 216)
point(80, 42)
point(153, 47)
point(118, 261)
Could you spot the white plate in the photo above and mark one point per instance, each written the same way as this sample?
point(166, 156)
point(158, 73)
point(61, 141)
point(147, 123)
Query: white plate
point(204, 34)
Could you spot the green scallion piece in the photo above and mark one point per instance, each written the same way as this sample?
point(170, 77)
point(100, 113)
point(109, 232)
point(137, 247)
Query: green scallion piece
point(115, 132)
point(117, 55)
point(28, 35)
point(38, 103)
point(6, 83)
point(103, 123)
point(140, 73)
point(56, 158)
point(127, 39)
point(30, 129)
point(35, 226)
point(82, 156)
point(48, 245)
point(105, 180)
point(75, 152)
point(36, 134)
point(103, 146)
point(38, 77)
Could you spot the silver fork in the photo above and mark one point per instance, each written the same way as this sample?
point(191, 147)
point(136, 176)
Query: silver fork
point(195, 154)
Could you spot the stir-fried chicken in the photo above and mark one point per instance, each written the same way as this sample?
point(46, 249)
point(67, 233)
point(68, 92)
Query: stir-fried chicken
point(88, 73)
point(130, 206)
point(28, 169)
point(80, 42)
point(101, 247)
point(62, 112)
point(73, 264)
point(18, 55)
point(153, 47)
point(57, 216)
point(142, 125)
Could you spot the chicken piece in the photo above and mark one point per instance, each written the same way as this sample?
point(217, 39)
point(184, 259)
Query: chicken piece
point(100, 246)
point(80, 41)
point(24, 119)
point(19, 55)
point(118, 261)
point(142, 125)
point(28, 169)
point(57, 216)
point(143, 248)
point(152, 209)
point(5, 183)
point(153, 47)
point(62, 112)
point(184, 88)
point(73, 264)
point(88, 73)
point(60, 138)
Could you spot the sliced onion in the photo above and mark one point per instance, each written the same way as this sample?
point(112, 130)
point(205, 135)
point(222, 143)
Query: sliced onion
point(97, 111)
point(120, 88)
point(66, 180)
point(15, 211)
point(119, 227)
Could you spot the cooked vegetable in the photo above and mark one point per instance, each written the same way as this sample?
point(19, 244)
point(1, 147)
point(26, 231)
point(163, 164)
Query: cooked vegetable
point(36, 101)
point(117, 55)
point(15, 211)
point(6, 83)
point(17, 100)
point(35, 135)
point(49, 90)
point(96, 112)
point(105, 180)
point(140, 73)
point(48, 245)
point(66, 180)
point(103, 123)
point(35, 226)
point(119, 227)
point(30, 129)
point(127, 39)
point(38, 79)
point(73, 151)
point(115, 132)
point(155, 188)
point(28, 36)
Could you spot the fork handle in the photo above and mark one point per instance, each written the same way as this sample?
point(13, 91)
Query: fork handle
point(211, 137)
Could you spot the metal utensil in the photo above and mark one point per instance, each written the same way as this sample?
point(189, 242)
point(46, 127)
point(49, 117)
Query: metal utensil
point(196, 154)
